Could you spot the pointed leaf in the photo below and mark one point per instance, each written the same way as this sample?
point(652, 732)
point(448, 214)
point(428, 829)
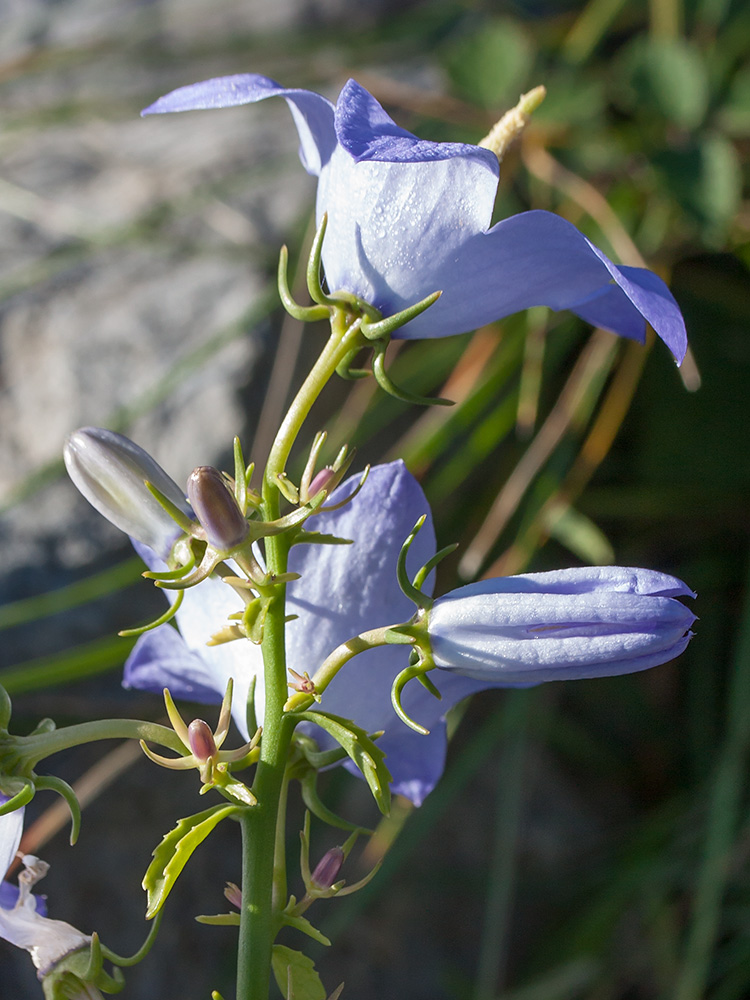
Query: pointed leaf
point(362, 750)
point(173, 853)
point(295, 975)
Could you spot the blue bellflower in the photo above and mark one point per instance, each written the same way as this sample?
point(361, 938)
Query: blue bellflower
point(408, 217)
point(345, 590)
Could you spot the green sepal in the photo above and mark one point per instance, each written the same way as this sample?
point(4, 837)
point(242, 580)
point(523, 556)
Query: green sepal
point(254, 618)
point(174, 851)
point(407, 587)
point(318, 538)
point(361, 749)
point(251, 717)
point(302, 924)
point(178, 516)
point(424, 572)
point(383, 329)
point(6, 709)
point(295, 974)
point(63, 789)
point(287, 488)
point(168, 615)
point(345, 370)
point(80, 973)
point(305, 314)
point(385, 383)
point(314, 286)
point(215, 995)
point(20, 798)
point(220, 919)
point(309, 789)
point(418, 670)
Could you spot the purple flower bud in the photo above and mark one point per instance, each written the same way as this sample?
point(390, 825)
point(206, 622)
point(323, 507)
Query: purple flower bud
point(567, 624)
point(216, 508)
point(327, 869)
point(111, 472)
point(201, 740)
point(321, 481)
point(234, 894)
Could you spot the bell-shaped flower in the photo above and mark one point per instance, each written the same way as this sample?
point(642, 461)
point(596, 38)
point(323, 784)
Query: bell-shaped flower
point(111, 472)
point(345, 590)
point(408, 217)
point(22, 920)
point(563, 625)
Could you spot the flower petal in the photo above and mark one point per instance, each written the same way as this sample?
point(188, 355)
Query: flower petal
point(312, 113)
point(345, 590)
point(563, 625)
point(162, 659)
point(537, 258)
point(11, 827)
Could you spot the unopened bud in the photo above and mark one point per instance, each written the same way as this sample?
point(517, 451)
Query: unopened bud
point(321, 481)
point(327, 869)
point(201, 740)
point(111, 472)
point(216, 508)
point(234, 894)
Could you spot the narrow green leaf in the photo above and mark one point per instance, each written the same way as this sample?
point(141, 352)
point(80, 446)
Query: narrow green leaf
point(361, 748)
point(303, 924)
point(295, 975)
point(173, 853)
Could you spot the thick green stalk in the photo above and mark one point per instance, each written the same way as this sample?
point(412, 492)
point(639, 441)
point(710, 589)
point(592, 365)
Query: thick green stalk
point(259, 824)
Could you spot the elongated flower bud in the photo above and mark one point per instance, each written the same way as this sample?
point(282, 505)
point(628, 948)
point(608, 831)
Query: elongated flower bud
point(111, 472)
point(327, 869)
point(216, 508)
point(567, 624)
point(201, 740)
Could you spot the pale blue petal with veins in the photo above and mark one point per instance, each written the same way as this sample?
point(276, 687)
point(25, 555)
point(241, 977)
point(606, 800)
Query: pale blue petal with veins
point(408, 217)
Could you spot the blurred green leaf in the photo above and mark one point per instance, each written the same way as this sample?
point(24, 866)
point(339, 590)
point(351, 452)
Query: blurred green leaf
point(735, 115)
point(666, 75)
point(705, 179)
point(491, 65)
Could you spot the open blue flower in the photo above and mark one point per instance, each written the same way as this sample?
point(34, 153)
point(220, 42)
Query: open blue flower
point(408, 217)
point(345, 590)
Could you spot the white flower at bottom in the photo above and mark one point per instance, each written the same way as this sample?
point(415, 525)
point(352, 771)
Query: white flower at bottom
point(46, 940)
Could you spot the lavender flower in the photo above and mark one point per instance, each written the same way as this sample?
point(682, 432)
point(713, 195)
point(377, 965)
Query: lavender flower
point(344, 590)
point(563, 625)
point(408, 217)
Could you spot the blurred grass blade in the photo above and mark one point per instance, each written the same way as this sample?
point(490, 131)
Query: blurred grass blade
point(63, 668)
point(511, 790)
point(52, 602)
point(724, 804)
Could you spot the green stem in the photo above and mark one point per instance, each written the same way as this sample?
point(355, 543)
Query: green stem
point(335, 661)
point(31, 749)
point(342, 341)
point(261, 882)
